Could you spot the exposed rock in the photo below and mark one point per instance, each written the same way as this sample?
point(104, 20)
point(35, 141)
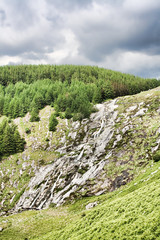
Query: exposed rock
point(12, 199)
point(125, 129)
point(118, 138)
point(72, 135)
point(24, 165)
point(25, 157)
point(57, 182)
point(132, 108)
point(141, 112)
point(91, 205)
point(20, 172)
point(2, 185)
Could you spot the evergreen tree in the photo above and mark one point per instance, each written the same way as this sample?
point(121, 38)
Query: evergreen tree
point(1, 103)
point(8, 141)
point(19, 142)
point(52, 122)
point(34, 115)
point(38, 100)
point(10, 109)
point(1, 145)
point(7, 101)
point(16, 108)
point(48, 97)
point(97, 98)
point(68, 113)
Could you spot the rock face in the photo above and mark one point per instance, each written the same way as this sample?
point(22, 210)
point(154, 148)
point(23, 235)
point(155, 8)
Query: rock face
point(96, 155)
point(81, 169)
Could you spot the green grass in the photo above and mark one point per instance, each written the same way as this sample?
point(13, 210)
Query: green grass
point(131, 212)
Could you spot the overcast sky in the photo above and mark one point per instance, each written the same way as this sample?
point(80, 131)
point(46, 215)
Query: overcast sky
point(122, 35)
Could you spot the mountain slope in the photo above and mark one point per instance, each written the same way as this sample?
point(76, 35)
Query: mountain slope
point(131, 212)
point(99, 154)
point(86, 158)
point(118, 143)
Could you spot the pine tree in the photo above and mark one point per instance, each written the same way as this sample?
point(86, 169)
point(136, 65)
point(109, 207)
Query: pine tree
point(97, 98)
point(34, 115)
point(1, 103)
point(68, 113)
point(7, 101)
point(16, 108)
point(1, 145)
point(52, 123)
point(19, 142)
point(8, 141)
point(39, 100)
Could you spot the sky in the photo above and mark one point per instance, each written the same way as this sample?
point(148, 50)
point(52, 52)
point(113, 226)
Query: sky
point(122, 35)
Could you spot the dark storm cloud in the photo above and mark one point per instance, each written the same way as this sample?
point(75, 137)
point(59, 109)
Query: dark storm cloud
point(145, 35)
point(120, 34)
point(116, 28)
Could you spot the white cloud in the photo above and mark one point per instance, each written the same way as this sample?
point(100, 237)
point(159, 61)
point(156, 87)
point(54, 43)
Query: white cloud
point(133, 62)
point(69, 49)
point(5, 60)
point(141, 6)
point(119, 34)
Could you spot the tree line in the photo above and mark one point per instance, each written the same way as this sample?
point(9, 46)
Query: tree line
point(69, 89)
point(122, 83)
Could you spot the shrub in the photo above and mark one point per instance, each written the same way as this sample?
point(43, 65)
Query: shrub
point(27, 130)
point(156, 156)
point(62, 115)
point(68, 113)
point(57, 114)
point(78, 116)
point(52, 122)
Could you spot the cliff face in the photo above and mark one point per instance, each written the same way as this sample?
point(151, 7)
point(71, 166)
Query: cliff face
point(85, 158)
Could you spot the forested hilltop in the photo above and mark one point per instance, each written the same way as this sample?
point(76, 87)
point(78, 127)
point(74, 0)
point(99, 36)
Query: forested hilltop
point(72, 90)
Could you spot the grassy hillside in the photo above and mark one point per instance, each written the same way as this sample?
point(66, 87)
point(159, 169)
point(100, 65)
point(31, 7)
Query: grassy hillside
point(132, 152)
point(132, 212)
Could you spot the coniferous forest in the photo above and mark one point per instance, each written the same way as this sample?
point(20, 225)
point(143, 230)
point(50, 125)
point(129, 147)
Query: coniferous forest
point(71, 90)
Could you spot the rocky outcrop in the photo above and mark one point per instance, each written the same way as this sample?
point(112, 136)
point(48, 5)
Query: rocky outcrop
point(81, 170)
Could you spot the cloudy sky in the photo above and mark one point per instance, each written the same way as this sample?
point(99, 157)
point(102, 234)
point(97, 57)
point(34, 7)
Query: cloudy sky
point(122, 35)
